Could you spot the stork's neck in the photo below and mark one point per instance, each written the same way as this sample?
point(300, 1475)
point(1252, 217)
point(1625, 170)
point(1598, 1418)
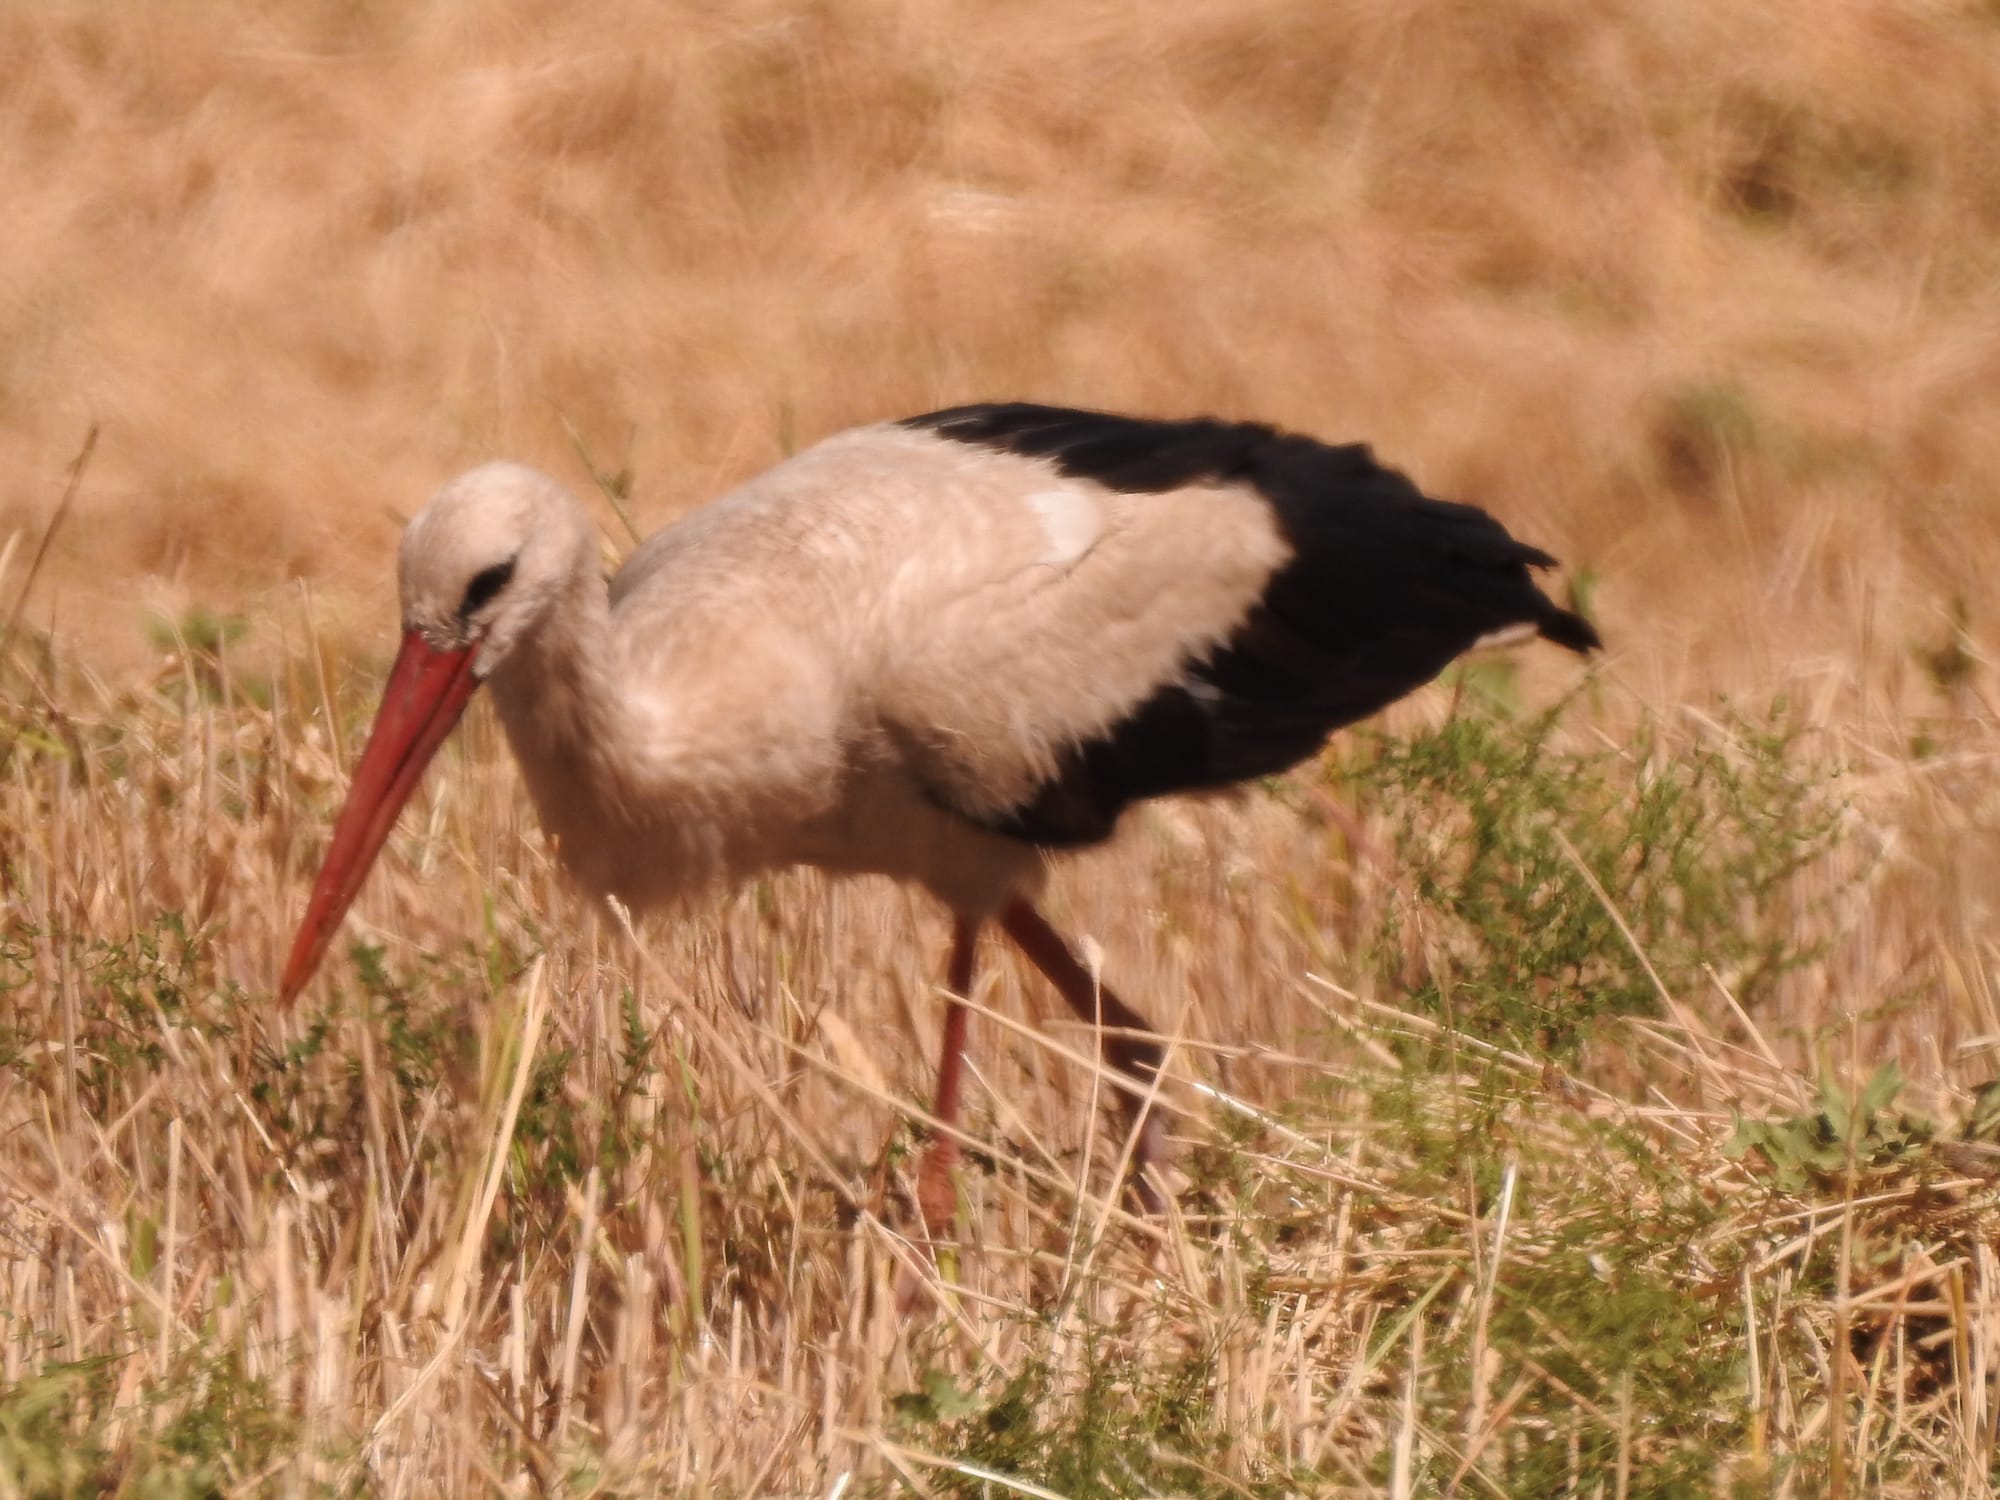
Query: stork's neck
point(557, 703)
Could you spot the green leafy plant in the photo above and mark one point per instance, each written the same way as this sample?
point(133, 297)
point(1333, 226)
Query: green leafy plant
point(206, 1431)
point(1540, 889)
point(1127, 1428)
point(1854, 1132)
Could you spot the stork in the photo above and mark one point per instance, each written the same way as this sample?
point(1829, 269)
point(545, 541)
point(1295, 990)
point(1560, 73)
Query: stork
point(940, 649)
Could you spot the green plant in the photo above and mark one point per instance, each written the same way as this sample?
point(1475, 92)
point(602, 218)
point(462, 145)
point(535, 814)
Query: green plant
point(202, 639)
point(201, 1432)
point(1113, 1429)
point(1853, 1135)
point(1540, 890)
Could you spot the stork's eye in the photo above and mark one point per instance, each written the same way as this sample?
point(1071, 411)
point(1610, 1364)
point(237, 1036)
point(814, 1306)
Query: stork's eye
point(485, 584)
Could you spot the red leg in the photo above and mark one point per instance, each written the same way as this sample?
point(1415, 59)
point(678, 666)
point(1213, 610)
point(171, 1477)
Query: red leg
point(935, 1196)
point(1128, 1042)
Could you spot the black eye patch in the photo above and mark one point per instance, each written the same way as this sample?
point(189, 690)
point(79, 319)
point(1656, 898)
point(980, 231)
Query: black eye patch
point(485, 584)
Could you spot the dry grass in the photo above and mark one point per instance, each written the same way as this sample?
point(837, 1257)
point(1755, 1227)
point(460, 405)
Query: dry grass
point(1701, 302)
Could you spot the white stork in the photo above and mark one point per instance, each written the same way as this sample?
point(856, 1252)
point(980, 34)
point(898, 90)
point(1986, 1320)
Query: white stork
point(939, 649)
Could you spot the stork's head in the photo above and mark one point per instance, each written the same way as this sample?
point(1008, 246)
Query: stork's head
point(484, 560)
point(480, 567)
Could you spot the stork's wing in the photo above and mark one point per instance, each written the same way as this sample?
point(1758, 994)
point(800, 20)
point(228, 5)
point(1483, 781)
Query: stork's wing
point(1041, 615)
point(1102, 609)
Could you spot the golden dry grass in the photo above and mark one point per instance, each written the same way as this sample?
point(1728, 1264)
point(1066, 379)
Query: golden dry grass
point(1704, 301)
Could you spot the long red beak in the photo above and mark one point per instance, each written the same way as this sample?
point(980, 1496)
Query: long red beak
point(427, 692)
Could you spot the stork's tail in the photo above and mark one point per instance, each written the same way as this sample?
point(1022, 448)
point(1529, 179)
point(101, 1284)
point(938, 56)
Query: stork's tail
point(1567, 628)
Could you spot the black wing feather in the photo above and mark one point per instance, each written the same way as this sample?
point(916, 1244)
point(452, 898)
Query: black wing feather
point(1384, 588)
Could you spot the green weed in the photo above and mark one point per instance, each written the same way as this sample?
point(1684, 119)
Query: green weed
point(1853, 1136)
point(203, 1432)
point(202, 639)
point(1114, 1429)
point(1540, 891)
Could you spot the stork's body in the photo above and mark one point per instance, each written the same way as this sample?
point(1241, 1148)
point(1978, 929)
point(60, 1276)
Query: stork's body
point(932, 650)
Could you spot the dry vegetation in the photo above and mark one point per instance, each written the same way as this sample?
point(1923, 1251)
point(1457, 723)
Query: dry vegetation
point(1541, 1134)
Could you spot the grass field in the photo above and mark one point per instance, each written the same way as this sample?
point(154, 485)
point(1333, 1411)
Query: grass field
point(1581, 1076)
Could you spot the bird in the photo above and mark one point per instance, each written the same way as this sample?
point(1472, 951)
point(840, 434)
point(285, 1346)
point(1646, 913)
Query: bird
point(946, 649)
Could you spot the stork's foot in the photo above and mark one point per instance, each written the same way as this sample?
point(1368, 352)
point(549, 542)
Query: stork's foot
point(937, 1174)
point(937, 1188)
point(1149, 1160)
point(1130, 1045)
point(1134, 1052)
point(937, 1194)
point(937, 1203)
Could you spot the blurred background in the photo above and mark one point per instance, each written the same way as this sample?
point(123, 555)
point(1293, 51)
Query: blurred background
point(1705, 300)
